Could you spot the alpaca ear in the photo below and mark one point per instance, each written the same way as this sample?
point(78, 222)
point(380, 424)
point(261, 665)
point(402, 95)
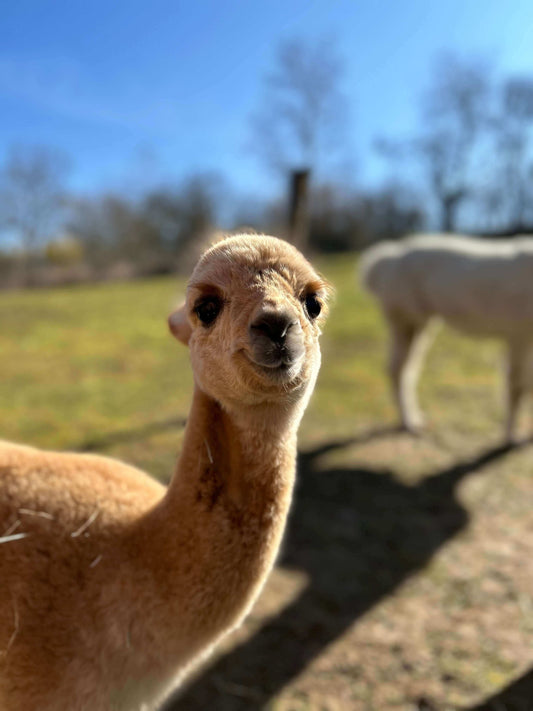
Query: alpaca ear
point(179, 325)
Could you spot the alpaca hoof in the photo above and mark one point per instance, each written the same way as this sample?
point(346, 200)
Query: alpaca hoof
point(513, 440)
point(415, 429)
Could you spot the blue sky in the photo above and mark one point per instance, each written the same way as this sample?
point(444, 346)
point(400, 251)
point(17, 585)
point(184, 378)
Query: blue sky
point(139, 93)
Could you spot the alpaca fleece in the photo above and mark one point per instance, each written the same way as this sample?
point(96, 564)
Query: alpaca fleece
point(481, 287)
point(112, 585)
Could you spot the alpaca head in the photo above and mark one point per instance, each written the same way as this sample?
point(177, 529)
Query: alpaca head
point(252, 319)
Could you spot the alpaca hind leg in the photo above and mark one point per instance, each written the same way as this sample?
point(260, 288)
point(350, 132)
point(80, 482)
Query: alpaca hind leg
point(518, 379)
point(406, 351)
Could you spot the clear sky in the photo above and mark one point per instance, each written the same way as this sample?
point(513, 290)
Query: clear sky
point(165, 88)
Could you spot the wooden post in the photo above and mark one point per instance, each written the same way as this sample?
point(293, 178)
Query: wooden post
point(299, 209)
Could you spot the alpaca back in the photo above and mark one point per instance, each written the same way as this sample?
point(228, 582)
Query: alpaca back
point(60, 519)
point(478, 286)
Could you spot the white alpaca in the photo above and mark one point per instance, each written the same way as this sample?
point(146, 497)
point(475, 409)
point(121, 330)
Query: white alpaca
point(481, 287)
point(111, 585)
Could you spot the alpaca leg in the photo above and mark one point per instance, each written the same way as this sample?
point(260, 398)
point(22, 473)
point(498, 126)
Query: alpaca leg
point(404, 361)
point(517, 378)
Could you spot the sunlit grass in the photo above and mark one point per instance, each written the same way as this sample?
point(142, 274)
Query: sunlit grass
point(78, 364)
point(85, 362)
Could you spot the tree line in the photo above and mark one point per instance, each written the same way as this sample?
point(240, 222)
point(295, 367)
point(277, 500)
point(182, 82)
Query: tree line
point(466, 166)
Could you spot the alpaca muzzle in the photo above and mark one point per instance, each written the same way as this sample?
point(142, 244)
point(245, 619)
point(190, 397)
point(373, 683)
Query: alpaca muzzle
point(276, 339)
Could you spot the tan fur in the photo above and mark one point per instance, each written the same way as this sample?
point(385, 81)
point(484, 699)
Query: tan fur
point(112, 586)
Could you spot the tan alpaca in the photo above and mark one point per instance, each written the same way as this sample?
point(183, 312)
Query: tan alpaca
point(111, 586)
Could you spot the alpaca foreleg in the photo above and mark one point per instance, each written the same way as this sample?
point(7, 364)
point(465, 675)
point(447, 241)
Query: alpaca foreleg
point(407, 348)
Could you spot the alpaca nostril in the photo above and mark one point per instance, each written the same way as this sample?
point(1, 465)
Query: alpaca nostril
point(274, 326)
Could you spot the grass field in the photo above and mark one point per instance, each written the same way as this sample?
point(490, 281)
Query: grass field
point(406, 577)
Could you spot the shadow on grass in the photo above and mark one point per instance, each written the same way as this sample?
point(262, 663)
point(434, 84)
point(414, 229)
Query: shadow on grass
point(358, 533)
point(131, 435)
point(518, 696)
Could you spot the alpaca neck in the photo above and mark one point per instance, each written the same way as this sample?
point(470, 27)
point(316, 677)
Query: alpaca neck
point(235, 464)
point(219, 526)
point(232, 455)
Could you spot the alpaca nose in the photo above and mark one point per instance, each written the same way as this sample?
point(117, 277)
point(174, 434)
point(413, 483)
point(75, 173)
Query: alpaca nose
point(275, 325)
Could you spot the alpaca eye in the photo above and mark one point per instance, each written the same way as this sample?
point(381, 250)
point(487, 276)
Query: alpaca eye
point(208, 309)
point(312, 305)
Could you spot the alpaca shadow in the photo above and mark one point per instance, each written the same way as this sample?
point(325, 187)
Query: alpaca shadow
point(358, 533)
point(131, 435)
point(518, 696)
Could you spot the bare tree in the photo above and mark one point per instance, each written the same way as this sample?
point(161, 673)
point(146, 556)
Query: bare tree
point(344, 219)
point(456, 111)
point(151, 234)
point(185, 214)
point(301, 120)
point(303, 112)
point(512, 132)
point(112, 230)
point(32, 195)
point(457, 107)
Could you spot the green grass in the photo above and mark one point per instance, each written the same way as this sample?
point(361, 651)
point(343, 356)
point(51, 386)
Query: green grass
point(94, 367)
point(80, 363)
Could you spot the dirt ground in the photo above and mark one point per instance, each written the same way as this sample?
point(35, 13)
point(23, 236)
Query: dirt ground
point(399, 587)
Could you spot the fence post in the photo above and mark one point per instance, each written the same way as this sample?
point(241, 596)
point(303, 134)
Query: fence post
point(299, 209)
